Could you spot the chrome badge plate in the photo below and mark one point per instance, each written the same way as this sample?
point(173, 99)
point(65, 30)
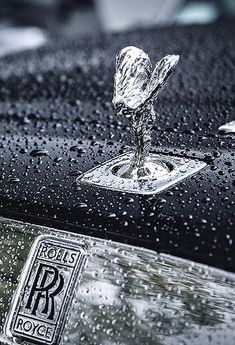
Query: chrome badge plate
point(45, 291)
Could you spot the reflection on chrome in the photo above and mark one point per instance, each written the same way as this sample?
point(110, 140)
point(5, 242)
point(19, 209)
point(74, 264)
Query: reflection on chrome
point(129, 295)
point(136, 87)
point(228, 127)
point(165, 172)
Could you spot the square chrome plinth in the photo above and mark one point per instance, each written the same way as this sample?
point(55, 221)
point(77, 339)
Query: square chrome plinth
point(102, 176)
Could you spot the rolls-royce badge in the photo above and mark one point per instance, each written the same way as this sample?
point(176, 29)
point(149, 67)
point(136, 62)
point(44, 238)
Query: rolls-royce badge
point(45, 291)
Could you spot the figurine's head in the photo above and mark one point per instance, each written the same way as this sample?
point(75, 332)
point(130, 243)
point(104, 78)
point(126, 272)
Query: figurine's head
point(134, 81)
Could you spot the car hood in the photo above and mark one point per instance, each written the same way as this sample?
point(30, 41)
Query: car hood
point(57, 121)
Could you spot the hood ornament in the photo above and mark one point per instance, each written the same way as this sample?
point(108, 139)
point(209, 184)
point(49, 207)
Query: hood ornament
point(136, 87)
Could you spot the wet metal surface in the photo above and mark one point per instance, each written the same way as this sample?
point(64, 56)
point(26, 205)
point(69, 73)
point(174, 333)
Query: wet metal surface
point(165, 172)
point(128, 295)
point(136, 87)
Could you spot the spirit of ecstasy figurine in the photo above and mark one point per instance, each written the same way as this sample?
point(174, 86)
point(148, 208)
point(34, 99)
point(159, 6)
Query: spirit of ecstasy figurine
point(140, 172)
point(136, 87)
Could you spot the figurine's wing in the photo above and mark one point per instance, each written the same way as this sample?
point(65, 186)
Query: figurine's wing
point(161, 74)
point(133, 73)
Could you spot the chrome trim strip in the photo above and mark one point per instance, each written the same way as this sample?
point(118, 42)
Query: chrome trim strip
point(129, 295)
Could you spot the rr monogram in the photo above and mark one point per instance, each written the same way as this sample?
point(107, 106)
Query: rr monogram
point(47, 284)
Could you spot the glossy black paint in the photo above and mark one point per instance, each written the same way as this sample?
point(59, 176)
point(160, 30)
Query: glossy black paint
point(57, 121)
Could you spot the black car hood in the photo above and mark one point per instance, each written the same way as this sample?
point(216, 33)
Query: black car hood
point(57, 121)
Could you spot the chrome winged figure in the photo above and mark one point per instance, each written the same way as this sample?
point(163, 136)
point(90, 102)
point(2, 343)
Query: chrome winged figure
point(136, 86)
